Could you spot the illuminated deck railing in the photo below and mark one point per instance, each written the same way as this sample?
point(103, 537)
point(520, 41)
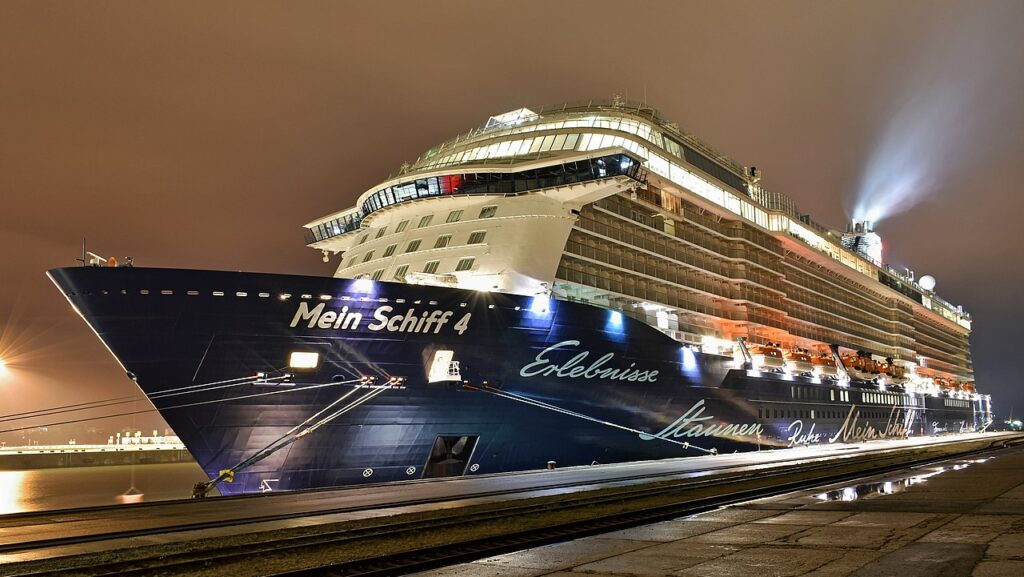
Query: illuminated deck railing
point(575, 172)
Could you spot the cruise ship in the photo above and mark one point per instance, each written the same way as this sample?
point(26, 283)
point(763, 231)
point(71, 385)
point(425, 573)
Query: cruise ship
point(570, 285)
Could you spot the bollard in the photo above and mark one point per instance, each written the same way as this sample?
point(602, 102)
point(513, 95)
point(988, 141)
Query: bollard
point(551, 465)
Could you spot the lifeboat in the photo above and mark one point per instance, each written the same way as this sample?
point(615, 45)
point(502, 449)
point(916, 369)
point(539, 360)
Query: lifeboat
point(899, 373)
point(768, 357)
point(799, 361)
point(825, 365)
point(861, 366)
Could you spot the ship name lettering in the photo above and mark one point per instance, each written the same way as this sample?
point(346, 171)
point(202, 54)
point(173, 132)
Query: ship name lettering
point(798, 437)
point(318, 318)
point(574, 367)
point(694, 423)
point(410, 321)
point(895, 427)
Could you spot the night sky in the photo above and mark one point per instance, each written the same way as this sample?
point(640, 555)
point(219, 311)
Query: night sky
point(194, 136)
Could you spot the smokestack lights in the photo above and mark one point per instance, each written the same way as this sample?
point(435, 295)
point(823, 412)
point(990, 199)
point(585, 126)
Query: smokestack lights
point(861, 239)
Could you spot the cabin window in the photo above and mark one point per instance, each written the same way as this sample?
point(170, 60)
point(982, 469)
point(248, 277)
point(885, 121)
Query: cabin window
point(381, 232)
point(454, 216)
point(425, 221)
point(488, 211)
point(443, 241)
point(477, 237)
point(402, 226)
point(431, 266)
point(413, 246)
point(464, 264)
point(400, 272)
point(390, 250)
point(368, 256)
point(378, 273)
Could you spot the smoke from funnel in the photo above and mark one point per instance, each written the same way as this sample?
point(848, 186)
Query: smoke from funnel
point(944, 121)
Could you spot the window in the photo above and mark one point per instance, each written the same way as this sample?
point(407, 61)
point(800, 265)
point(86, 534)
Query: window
point(454, 216)
point(368, 256)
point(390, 250)
point(425, 221)
point(378, 273)
point(351, 262)
point(431, 267)
point(477, 237)
point(381, 232)
point(464, 264)
point(413, 246)
point(401, 226)
point(400, 272)
point(363, 238)
point(488, 211)
point(443, 241)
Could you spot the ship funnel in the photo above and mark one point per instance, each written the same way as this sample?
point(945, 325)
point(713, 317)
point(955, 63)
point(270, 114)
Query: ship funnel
point(861, 239)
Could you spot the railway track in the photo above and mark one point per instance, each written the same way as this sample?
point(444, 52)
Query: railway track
point(631, 500)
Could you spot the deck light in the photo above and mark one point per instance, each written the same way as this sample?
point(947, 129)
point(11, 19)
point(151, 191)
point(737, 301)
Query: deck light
point(303, 360)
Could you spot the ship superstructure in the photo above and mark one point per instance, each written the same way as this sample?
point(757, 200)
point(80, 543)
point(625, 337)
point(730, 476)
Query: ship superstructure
point(652, 222)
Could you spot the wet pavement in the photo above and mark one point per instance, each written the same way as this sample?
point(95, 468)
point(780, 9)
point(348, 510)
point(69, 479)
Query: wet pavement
point(24, 537)
point(960, 518)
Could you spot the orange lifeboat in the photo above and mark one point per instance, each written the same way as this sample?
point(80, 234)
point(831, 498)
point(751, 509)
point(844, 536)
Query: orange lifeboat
point(898, 373)
point(883, 368)
point(860, 365)
point(768, 357)
point(799, 361)
point(825, 365)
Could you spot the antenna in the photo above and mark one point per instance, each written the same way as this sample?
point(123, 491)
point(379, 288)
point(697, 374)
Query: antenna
point(82, 260)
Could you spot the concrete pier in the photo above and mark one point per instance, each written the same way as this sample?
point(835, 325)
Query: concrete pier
point(965, 518)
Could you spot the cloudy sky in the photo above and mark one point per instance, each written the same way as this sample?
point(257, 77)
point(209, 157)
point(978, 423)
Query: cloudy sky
point(203, 135)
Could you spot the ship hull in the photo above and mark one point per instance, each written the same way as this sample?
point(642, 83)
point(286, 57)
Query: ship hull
point(539, 380)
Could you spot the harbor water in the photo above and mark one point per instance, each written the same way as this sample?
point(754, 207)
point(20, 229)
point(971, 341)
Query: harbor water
point(48, 489)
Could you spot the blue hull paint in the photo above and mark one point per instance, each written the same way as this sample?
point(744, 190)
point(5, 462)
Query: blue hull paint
point(179, 328)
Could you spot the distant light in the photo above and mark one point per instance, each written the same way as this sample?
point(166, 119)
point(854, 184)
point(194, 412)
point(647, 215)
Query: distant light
point(363, 284)
point(3, 367)
point(304, 360)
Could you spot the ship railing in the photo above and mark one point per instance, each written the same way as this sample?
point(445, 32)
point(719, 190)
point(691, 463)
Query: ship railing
point(589, 107)
point(483, 183)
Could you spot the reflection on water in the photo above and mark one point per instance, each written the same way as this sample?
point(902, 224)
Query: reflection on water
point(44, 489)
point(890, 487)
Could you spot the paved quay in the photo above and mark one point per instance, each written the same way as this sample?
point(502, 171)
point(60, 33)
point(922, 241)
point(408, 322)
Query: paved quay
point(175, 521)
point(959, 518)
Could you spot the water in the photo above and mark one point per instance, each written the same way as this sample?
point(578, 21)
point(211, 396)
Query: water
point(892, 486)
point(46, 489)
